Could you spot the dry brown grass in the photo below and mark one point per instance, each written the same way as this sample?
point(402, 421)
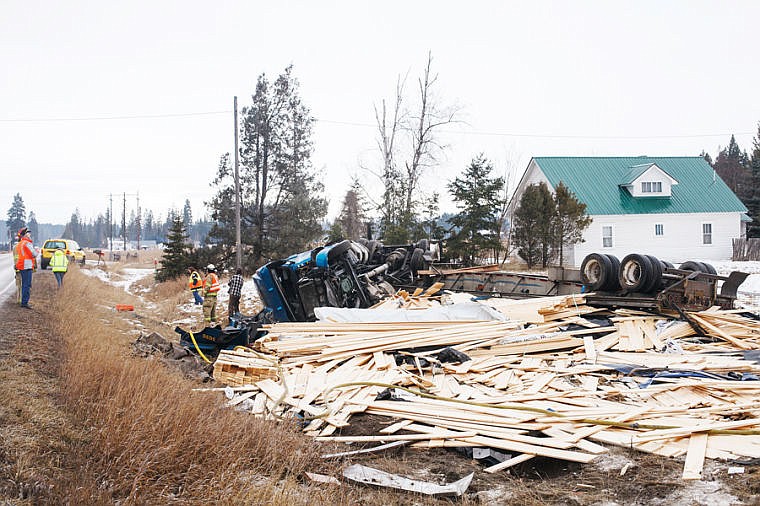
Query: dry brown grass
point(151, 439)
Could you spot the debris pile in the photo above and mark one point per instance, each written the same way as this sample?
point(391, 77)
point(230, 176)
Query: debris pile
point(555, 379)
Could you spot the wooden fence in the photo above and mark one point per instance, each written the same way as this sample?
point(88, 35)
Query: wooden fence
point(746, 249)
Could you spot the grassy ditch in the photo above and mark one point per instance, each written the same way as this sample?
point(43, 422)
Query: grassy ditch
point(148, 438)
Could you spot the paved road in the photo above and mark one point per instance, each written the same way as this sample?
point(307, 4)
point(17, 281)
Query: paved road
point(7, 282)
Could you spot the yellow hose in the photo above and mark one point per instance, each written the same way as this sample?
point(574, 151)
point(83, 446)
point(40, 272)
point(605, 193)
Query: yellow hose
point(198, 349)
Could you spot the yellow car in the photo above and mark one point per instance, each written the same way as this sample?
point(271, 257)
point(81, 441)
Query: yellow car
point(71, 248)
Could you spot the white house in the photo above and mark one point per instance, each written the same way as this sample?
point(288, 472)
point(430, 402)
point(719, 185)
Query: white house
point(675, 208)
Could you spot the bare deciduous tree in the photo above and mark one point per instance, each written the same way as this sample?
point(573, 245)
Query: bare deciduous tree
point(419, 147)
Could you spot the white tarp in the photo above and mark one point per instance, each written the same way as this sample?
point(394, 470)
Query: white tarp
point(452, 312)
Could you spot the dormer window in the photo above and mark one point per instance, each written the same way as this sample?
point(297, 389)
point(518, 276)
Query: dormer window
point(651, 187)
point(648, 181)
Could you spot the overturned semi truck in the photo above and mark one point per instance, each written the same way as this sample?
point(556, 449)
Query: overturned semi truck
point(359, 274)
point(354, 274)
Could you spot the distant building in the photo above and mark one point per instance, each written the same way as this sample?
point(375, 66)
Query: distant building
point(675, 208)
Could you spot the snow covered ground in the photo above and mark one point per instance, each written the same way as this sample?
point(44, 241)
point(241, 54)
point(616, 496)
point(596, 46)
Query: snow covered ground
point(126, 278)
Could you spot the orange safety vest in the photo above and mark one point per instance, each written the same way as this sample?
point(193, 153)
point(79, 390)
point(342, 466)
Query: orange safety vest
point(196, 283)
point(26, 255)
point(211, 284)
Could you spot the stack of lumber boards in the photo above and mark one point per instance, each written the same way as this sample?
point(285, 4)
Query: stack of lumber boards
point(241, 367)
point(533, 387)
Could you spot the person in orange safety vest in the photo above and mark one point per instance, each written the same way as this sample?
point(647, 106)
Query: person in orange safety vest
point(211, 289)
point(26, 263)
point(196, 285)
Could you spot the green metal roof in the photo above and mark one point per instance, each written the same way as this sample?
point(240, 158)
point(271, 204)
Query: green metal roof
point(595, 181)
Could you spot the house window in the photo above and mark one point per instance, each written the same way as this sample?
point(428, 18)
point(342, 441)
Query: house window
point(706, 233)
point(651, 187)
point(606, 236)
point(659, 229)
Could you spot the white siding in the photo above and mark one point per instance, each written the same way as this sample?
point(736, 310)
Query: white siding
point(681, 239)
point(533, 175)
point(655, 175)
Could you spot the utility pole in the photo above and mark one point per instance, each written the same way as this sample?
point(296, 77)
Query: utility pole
point(238, 247)
point(124, 222)
point(110, 226)
point(137, 222)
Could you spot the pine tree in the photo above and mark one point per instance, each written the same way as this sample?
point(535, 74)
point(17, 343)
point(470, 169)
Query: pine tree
point(477, 195)
point(16, 215)
point(431, 223)
point(187, 215)
point(34, 227)
point(753, 203)
point(732, 165)
point(531, 233)
point(570, 220)
point(353, 214)
point(74, 227)
point(281, 198)
point(176, 252)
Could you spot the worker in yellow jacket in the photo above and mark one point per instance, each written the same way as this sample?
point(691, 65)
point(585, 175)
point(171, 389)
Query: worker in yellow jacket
point(211, 289)
point(60, 264)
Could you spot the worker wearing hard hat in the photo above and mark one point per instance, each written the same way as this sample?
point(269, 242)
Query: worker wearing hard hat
point(16, 272)
point(196, 285)
point(211, 289)
point(26, 263)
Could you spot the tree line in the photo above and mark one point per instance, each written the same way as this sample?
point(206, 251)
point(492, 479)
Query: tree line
point(741, 172)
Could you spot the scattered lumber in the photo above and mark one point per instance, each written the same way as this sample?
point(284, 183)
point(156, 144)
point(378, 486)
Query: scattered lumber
point(545, 382)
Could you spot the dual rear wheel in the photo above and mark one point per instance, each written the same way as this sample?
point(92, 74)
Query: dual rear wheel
point(635, 273)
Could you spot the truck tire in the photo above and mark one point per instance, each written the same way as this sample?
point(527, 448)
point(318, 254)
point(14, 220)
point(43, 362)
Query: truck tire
point(613, 283)
point(709, 269)
point(635, 273)
point(417, 262)
point(666, 265)
point(371, 248)
point(337, 250)
point(596, 271)
point(692, 266)
point(655, 283)
point(43, 264)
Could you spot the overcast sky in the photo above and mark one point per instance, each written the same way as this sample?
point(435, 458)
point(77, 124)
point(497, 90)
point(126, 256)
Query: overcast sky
point(530, 78)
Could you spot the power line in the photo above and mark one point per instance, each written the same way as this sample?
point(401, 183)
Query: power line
point(111, 118)
point(369, 125)
point(551, 136)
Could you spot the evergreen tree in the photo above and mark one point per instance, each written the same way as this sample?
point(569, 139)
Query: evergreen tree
point(352, 218)
point(34, 227)
point(732, 165)
point(176, 253)
point(335, 233)
point(477, 195)
point(432, 228)
point(187, 215)
point(74, 227)
point(753, 203)
point(532, 230)
point(281, 198)
point(570, 220)
point(16, 215)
